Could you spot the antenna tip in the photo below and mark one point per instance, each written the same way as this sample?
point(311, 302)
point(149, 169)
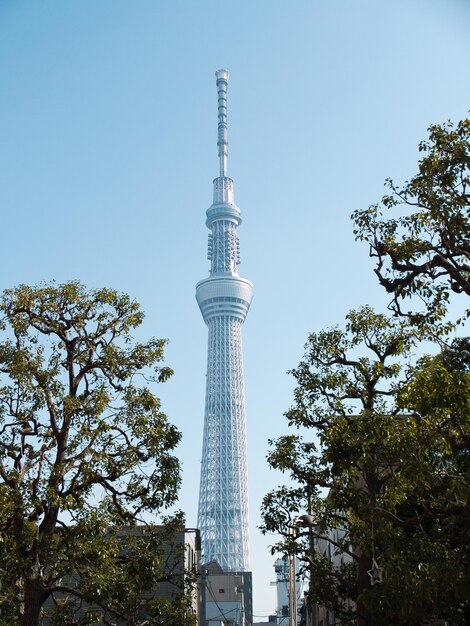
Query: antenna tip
point(222, 75)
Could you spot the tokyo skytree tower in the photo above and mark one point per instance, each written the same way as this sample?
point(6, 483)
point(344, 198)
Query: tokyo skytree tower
point(224, 299)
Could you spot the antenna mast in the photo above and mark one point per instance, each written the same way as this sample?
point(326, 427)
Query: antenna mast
point(222, 137)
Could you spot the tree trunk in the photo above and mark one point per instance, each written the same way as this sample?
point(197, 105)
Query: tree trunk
point(33, 601)
point(364, 564)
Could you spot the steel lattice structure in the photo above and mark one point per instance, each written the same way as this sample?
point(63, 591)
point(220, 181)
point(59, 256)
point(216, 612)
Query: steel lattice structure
point(224, 299)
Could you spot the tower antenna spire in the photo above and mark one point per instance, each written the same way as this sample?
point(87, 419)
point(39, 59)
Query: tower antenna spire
point(222, 137)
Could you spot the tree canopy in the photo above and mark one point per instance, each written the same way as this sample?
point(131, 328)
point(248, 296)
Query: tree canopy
point(380, 454)
point(85, 451)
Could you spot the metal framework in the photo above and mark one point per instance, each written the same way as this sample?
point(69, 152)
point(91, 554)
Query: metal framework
point(224, 299)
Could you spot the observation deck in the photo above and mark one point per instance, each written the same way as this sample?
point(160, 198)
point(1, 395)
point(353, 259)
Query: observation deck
point(224, 295)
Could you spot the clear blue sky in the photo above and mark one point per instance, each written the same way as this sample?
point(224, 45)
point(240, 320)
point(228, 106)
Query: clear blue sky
point(108, 151)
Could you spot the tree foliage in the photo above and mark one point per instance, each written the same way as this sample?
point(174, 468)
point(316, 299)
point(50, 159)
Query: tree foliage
point(380, 451)
point(85, 451)
point(426, 250)
point(387, 476)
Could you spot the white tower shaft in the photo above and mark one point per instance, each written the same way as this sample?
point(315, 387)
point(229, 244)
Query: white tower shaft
point(224, 299)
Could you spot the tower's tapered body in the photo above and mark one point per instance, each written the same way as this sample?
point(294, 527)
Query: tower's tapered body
point(224, 299)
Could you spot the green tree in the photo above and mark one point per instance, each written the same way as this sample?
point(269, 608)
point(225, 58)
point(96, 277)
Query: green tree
point(85, 452)
point(386, 474)
point(346, 385)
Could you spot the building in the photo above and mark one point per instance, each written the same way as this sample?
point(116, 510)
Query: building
point(178, 557)
point(227, 597)
point(284, 568)
point(224, 299)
